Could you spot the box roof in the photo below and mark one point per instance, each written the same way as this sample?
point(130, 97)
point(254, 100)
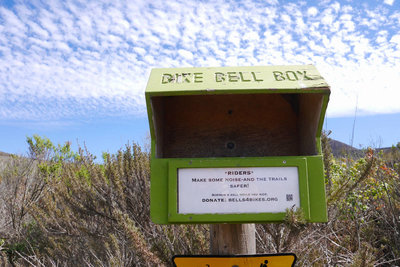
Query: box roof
point(258, 79)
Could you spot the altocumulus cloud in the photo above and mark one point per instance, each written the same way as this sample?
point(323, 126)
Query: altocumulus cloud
point(64, 59)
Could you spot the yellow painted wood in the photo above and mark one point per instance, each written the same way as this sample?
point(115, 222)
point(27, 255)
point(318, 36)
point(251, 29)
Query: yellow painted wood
point(185, 80)
point(277, 260)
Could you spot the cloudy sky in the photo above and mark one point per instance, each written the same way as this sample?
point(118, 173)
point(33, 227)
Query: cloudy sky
point(65, 63)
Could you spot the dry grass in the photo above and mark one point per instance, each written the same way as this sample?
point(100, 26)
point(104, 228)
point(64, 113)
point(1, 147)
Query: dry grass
point(60, 208)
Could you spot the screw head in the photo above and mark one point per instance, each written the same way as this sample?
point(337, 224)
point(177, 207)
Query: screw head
point(230, 145)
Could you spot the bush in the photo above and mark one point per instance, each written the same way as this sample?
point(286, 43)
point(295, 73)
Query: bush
point(363, 208)
point(61, 208)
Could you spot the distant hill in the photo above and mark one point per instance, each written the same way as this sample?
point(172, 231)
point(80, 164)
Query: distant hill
point(340, 149)
point(386, 149)
point(4, 154)
point(4, 158)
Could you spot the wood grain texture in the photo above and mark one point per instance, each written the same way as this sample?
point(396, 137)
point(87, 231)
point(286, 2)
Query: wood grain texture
point(310, 112)
point(232, 239)
point(236, 125)
point(227, 126)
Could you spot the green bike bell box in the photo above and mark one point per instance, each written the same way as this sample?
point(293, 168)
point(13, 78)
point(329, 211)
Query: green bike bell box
point(236, 144)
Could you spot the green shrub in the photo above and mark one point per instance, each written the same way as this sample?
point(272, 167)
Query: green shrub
point(63, 208)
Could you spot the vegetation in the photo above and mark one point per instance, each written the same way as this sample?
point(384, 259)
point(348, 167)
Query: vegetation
point(61, 208)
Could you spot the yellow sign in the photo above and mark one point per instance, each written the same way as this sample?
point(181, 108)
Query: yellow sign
point(260, 260)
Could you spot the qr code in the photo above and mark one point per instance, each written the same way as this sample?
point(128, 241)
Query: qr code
point(289, 197)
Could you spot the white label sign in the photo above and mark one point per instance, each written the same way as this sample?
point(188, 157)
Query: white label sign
point(237, 190)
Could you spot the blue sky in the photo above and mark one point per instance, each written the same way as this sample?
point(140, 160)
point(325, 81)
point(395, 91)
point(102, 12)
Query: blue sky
point(77, 70)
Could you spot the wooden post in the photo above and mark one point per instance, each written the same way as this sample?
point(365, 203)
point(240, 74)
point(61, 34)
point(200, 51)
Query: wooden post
point(232, 239)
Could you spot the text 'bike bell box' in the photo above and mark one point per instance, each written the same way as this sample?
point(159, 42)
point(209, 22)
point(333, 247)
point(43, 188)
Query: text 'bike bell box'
point(236, 144)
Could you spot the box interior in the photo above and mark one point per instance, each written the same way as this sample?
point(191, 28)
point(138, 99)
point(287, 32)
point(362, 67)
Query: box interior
point(236, 125)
